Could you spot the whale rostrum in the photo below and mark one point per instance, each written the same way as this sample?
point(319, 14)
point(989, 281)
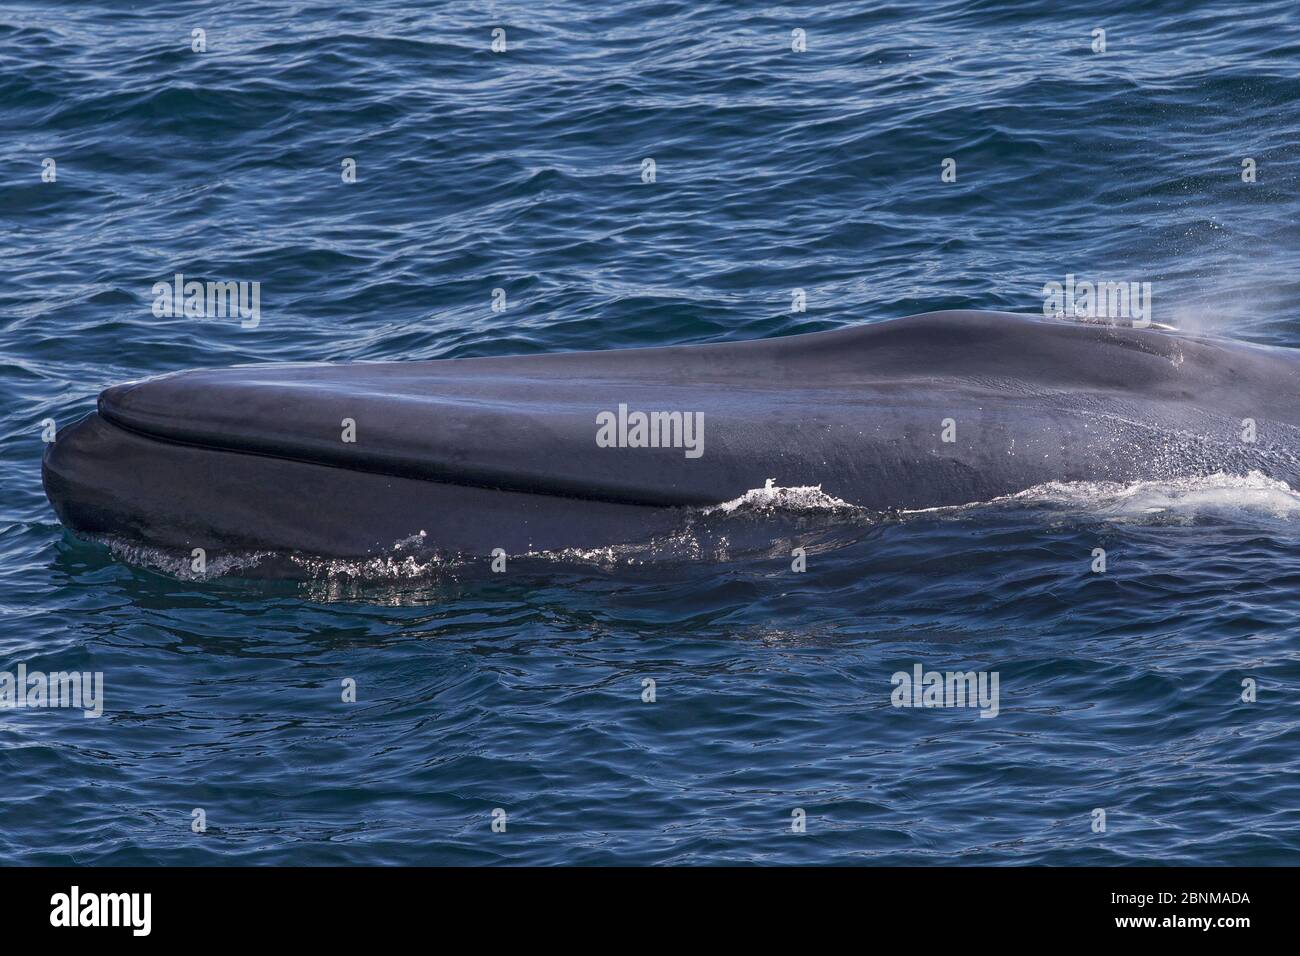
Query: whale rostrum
point(585, 449)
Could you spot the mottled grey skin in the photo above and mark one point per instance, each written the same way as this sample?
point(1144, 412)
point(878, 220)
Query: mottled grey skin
point(501, 452)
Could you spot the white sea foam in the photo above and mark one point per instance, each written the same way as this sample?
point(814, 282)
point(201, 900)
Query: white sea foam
point(384, 568)
point(1187, 497)
point(773, 496)
point(1252, 492)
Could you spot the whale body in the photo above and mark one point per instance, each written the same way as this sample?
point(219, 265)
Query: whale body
point(585, 449)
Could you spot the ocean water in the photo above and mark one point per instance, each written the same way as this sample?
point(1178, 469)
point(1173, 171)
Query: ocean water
point(775, 170)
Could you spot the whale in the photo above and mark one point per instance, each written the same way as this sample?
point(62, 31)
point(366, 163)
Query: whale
point(544, 452)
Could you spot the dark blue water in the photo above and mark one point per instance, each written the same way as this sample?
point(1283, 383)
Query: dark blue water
point(775, 170)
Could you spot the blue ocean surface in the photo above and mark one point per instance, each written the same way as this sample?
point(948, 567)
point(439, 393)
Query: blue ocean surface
point(794, 147)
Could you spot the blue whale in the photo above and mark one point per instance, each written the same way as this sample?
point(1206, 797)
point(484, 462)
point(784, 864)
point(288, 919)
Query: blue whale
point(585, 449)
